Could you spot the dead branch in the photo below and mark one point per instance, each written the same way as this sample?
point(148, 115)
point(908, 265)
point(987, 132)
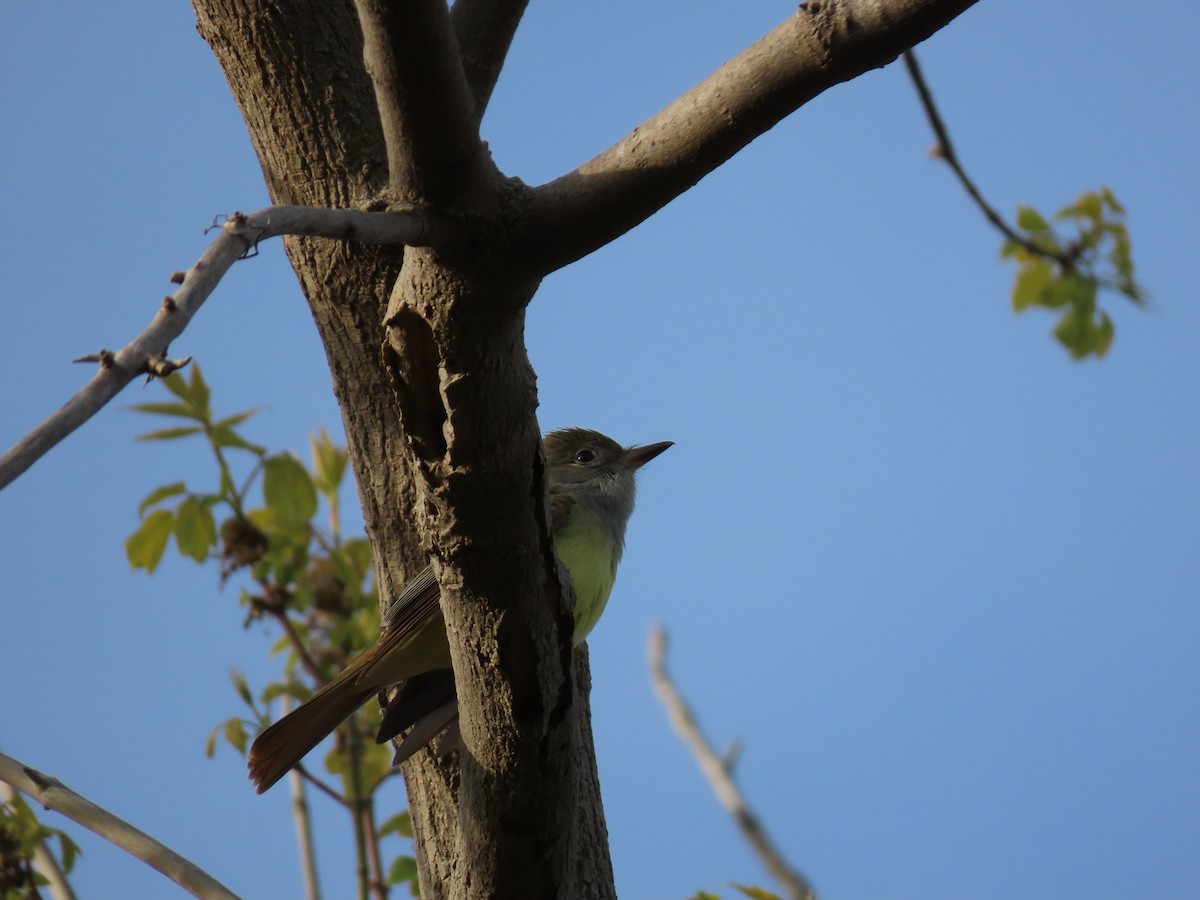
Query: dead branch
point(52, 794)
point(720, 774)
point(240, 234)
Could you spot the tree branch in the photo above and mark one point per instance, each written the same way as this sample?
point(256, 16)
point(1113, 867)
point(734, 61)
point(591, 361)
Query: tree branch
point(302, 819)
point(485, 29)
point(825, 43)
point(324, 787)
point(240, 235)
point(719, 774)
point(425, 106)
point(945, 150)
point(52, 794)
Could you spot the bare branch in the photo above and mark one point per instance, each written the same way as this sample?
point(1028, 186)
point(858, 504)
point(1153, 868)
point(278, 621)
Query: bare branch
point(324, 787)
point(302, 819)
point(425, 106)
point(52, 794)
point(825, 43)
point(945, 150)
point(719, 774)
point(275, 607)
point(240, 234)
point(485, 30)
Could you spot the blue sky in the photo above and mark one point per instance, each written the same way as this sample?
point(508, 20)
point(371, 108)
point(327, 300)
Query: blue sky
point(939, 580)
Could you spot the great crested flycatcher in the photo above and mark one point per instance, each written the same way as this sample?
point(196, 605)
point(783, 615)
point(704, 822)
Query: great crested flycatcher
point(592, 481)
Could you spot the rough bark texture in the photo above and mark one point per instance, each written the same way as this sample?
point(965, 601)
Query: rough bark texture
point(296, 73)
point(427, 354)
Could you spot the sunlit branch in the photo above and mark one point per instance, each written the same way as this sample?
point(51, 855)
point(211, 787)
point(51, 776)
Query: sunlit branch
point(826, 42)
point(719, 774)
point(239, 237)
point(52, 794)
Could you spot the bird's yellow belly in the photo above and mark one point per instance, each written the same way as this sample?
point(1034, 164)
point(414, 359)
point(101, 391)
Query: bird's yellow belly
point(588, 553)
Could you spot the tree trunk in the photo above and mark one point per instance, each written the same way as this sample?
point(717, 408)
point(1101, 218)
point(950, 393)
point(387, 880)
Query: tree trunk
point(277, 57)
point(427, 352)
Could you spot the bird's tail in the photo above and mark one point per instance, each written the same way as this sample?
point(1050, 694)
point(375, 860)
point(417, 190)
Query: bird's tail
point(280, 747)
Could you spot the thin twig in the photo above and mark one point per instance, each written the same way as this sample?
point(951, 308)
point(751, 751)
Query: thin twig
point(52, 794)
point(274, 606)
point(945, 150)
point(239, 235)
point(379, 885)
point(322, 786)
point(302, 818)
point(719, 774)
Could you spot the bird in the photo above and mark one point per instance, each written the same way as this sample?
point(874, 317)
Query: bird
point(592, 482)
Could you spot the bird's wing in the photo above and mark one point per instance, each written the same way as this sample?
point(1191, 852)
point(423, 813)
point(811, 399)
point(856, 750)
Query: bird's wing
point(413, 604)
point(418, 604)
point(560, 508)
point(413, 610)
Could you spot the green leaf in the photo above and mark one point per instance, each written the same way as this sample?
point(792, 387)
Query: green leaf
point(1104, 335)
point(359, 550)
point(353, 562)
point(756, 893)
point(169, 434)
point(704, 895)
point(1047, 242)
point(210, 746)
point(404, 869)
point(1031, 284)
point(375, 763)
point(195, 529)
point(235, 419)
point(242, 686)
point(158, 495)
point(1029, 219)
point(399, 824)
point(264, 518)
point(227, 437)
point(199, 389)
point(182, 410)
point(289, 490)
point(1011, 249)
point(1111, 201)
point(176, 384)
point(1088, 206)
point(1072, 289)
point(329, 463)
point(1078, 332)
point(145, 547)
point(69, 849)
point(235, 733)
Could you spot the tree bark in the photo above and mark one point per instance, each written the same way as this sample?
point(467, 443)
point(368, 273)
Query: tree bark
point(427, 353)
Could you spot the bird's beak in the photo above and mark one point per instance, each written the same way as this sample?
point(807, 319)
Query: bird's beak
point(636, 457)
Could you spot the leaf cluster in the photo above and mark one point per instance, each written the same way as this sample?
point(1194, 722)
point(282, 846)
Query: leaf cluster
point(1066, 273)
point(21, 834)
point(259, 524)
point(751, 891)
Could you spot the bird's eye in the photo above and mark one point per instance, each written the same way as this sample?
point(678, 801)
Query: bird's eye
point(585, 456)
